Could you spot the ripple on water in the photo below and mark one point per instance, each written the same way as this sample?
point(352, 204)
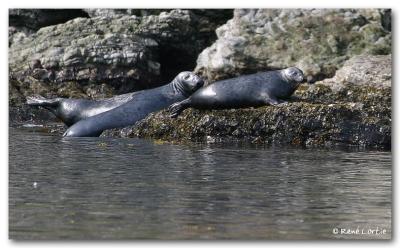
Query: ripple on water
point(105, 188)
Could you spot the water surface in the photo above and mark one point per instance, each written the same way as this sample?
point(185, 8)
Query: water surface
point(105, 188)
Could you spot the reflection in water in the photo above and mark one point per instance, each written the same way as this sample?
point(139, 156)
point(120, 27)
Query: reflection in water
point(129, 188)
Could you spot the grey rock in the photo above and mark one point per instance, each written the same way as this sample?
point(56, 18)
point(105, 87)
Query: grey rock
point(34, 19)
point(364, 70)
point(318, 41)
point(127, 52)
point(103, 12)
point(18, 34)
point(123, 52)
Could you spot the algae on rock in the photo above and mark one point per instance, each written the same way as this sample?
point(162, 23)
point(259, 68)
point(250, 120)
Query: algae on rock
point(346, 112)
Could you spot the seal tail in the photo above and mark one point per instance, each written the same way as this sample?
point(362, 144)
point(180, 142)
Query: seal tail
point(41, 101)
point(177, 108)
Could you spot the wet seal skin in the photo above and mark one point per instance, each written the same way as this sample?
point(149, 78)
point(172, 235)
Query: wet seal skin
point(71, 111)
point(141, 104)
point(258, 89)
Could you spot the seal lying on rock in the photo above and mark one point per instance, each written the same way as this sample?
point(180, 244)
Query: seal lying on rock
point(143, 103)
point(253, 90)
point(71, 111)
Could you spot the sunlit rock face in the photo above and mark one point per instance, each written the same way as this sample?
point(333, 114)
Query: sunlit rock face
point(318, 41)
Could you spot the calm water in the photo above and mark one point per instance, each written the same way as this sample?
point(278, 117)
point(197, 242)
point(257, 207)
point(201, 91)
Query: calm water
point(103, 188)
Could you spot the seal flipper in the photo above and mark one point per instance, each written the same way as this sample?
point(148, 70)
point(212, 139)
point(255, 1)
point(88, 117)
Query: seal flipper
point(280, 101)
point(271, 99)
point(177, 108)
point(42, 101)
point(274, 101)
point(71, 133)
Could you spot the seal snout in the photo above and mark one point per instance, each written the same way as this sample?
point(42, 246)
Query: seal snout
point(197, 82)
point(294, 74)
point(301, 79)
point(188, 82)
point(200, 82)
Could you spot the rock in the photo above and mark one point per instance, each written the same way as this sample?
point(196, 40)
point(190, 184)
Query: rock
point(207, 21)
point(365, 70)
point(126, 52)
point(91, 51)
point(296, 124)
point(23, 114)
point(318, 41)
point(122, 52)
point(99, 91)
point(120, 12)
point(34, 19)
point(321, 114)
point(19, 112)
point(112, 53)
point(203, 21)
point(184, 50)
point(16, 35)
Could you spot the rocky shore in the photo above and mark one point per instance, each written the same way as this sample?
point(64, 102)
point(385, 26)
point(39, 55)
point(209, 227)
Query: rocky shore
point(323, 114)
point(345, 54)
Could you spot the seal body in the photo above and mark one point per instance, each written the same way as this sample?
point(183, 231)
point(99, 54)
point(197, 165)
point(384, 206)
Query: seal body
point(71, 111)
point(253, 90)
point(143, 103)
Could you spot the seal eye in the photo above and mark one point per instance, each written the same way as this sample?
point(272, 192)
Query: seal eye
point(294, 74)
point(186, 77)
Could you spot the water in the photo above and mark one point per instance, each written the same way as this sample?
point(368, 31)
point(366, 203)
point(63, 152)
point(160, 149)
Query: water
point(103, 188)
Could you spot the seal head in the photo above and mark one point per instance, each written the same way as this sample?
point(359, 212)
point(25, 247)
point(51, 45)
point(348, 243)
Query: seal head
point(187, 82)
point(293, 74)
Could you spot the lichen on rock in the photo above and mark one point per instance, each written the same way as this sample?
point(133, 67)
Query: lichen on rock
point(318, 41)
point(113, 52)
point(365, 70)
point(121, 52)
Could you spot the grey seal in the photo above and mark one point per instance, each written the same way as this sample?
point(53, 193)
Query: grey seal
point(71, 111)
point(138, 107)
point(271, 87)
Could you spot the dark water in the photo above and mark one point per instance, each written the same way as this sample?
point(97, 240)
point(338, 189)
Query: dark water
point(100, 188)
